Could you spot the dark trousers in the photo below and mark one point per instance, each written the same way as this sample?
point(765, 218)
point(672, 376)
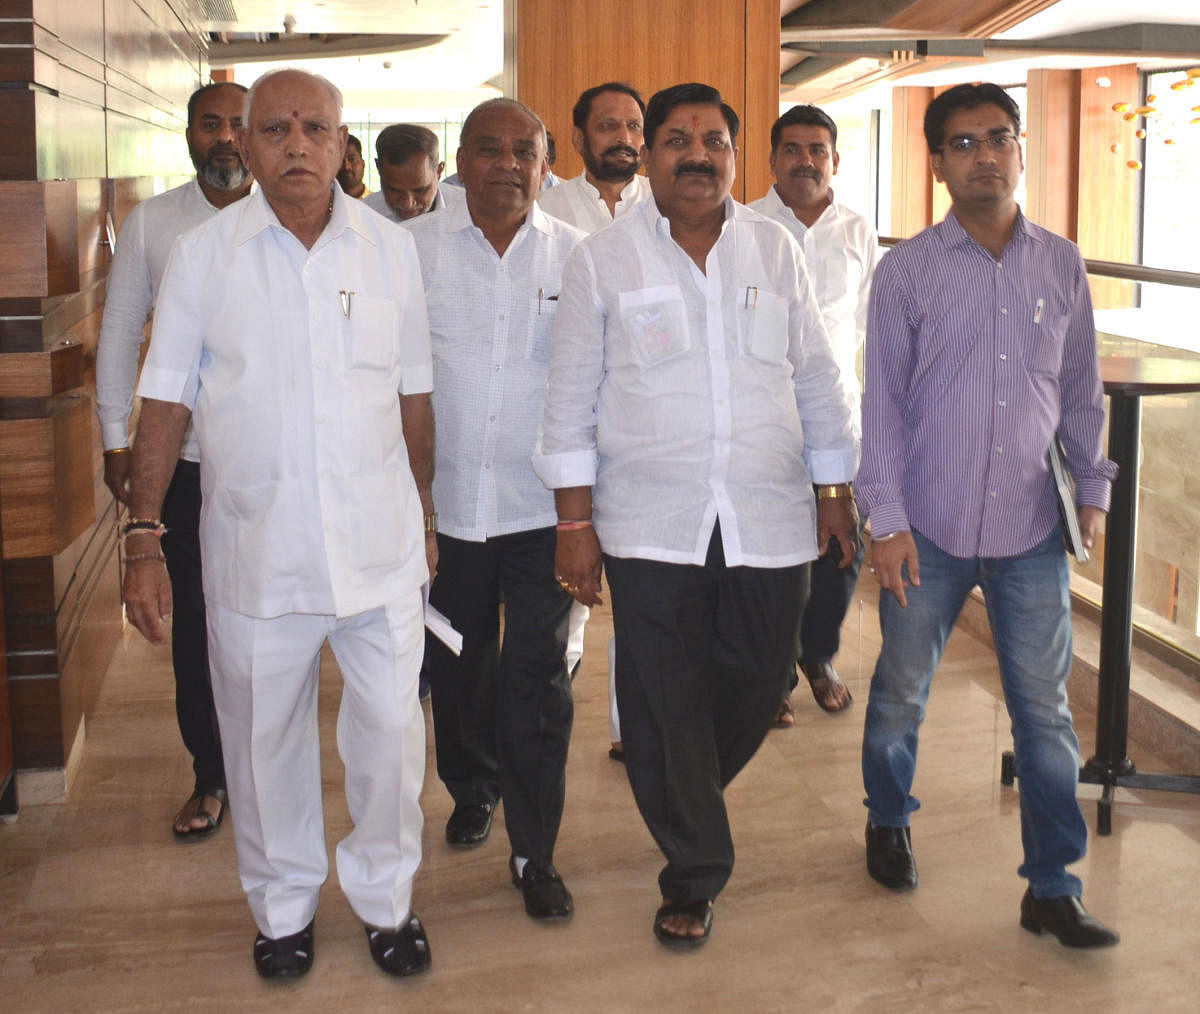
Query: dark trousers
point(189, 635)
point(502, 715)
point(700, 660)
point(830, 591)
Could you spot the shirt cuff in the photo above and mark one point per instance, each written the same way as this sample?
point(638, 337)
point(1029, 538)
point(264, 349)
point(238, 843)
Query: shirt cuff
point(827, 468)
point(163, 385)
point(417, 380)
point(114, 435)
point(888, 518)
point(567, 469)
point(1093, 493)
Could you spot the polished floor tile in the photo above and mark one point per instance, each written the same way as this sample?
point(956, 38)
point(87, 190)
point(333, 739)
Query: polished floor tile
point(104, 911)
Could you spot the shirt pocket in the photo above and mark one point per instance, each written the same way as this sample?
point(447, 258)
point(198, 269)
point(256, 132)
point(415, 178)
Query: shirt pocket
point(655, 320)
point(542, 315)
point(1044, 333)
point(762, 319)
point(369, 331)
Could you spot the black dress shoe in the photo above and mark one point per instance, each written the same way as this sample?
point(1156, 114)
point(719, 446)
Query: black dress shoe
point(545, 894)
point(470, 823)
point(889, 857)
point(284, 957)
point(1067, 919)
point(403, 951)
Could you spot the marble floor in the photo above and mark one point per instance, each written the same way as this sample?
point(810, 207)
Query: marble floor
point(101, 910)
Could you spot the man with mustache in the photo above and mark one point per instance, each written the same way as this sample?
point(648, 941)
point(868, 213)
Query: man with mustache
point(981, 348)
point(502, 712)
point(839, 252)
point(694, 400)
point(292, 328)
point(350, 176)
point(608, 134)
point(146, 238)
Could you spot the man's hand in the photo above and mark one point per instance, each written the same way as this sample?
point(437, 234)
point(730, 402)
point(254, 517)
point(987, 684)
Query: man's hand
point(1091, 523)
point(147, 587)
point(116, 473)
point(431, 554)
point(838, 518)
point(887, 559)
point(577, 565)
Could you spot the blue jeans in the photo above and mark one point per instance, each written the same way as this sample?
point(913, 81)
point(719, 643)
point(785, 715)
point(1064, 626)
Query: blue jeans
point(1029, 611)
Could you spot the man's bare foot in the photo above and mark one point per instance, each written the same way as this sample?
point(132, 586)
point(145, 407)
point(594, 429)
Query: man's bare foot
point(786, 717)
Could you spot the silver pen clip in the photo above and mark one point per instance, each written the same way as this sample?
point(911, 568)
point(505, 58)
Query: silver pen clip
point(345, 298)
point(751, 300)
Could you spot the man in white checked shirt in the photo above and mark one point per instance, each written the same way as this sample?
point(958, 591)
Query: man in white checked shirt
point(502, 714)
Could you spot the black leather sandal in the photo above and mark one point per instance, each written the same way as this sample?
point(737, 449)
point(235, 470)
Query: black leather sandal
point(697, 911)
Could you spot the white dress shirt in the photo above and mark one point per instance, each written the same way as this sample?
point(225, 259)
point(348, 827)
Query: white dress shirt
point(579, 203)
point(291, 361)
point(682, 396)
point(147, 235)
point(840, 251)
point(446, 196)
point(491, 320)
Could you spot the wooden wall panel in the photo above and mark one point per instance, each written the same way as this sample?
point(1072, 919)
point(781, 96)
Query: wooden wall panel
point(40, 224)
point(912, 179)
point(1052, 150)
point(564, 48)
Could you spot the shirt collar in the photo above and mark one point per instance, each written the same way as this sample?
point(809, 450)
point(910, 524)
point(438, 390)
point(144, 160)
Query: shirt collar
point(258, 216)
point(776, 204)
point(459, 218)
point(952, 233)
point(662, 226)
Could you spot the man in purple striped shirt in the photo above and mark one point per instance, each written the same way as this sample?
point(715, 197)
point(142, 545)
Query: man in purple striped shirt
point(980, 347)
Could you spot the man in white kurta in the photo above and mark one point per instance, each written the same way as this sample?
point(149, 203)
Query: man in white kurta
point(840, 250)
point(292, 329)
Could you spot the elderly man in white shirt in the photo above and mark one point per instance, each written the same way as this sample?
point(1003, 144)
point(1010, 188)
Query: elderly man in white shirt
point(410, 168)
point(694, 400)
point(140, 257)
point(840, 250)
point(292, 328)
point(501, 714)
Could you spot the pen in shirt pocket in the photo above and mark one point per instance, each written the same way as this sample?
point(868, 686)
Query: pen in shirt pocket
point(543, 297)
point(1038, 310)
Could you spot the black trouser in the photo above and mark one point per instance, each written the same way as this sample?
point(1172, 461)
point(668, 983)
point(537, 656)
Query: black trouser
point(700, 662)
point(189, 635)
point(502, 716)
point(830, 591)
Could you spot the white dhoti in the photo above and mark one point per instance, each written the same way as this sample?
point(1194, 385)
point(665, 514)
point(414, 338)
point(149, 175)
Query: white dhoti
point(264, 678)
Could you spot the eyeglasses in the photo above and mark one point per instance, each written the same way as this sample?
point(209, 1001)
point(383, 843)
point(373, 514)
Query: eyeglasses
point(964, 144)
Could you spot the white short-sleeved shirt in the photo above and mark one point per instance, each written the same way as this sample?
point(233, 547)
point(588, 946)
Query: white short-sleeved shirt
point(292, 361)
point(684, 396)
point(491, 320)
point(840, 251)
point(578, 202)
point(145, 241)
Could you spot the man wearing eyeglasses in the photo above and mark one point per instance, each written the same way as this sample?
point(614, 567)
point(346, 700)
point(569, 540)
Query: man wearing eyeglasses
point(980, 347)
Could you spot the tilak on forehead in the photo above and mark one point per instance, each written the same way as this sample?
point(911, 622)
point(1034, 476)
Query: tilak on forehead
point(295, 114)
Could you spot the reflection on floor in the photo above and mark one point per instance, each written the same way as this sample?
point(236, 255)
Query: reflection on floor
point(102, 910)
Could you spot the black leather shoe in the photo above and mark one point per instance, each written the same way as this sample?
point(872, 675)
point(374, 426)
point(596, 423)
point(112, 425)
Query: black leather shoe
point(889, 857)
point(284, 957)
point(1067, 919)
point(545, 894)
point(403, 951)
point(470, 824)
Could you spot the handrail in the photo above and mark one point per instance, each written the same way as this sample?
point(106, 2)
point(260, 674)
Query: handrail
point(1113, 269)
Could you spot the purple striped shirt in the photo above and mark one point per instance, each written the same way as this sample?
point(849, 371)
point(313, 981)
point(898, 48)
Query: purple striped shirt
point(972, 363)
